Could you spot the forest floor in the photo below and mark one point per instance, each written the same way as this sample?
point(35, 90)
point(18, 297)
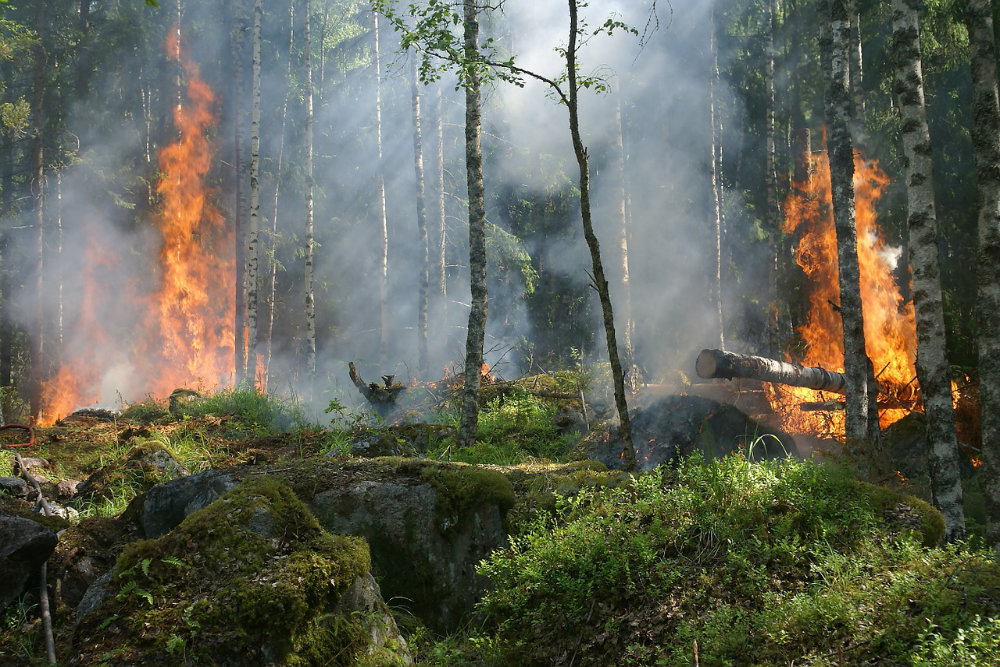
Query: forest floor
point(778, 562)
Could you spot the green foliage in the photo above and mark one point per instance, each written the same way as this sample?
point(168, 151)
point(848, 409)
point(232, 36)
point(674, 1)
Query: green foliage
point(760, 563)
point(513, 427)
point(251, 410)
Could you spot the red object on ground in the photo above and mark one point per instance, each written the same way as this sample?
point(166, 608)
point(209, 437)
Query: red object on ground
point(29, 429)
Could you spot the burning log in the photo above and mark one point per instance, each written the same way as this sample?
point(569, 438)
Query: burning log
point(721, 364)
point(382, 397)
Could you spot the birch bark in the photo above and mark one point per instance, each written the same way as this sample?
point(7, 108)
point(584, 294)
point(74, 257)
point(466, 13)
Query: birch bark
point(932, 358)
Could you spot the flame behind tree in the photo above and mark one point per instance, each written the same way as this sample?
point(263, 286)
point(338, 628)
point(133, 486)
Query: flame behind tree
point(890, 333)
point(189, 335)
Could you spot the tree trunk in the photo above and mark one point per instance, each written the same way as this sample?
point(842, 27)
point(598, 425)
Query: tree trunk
point(37, 181)
point(986, 146)
point(857, 75)
point(383, 260)
point(621, 201)
point(771, 210)
point(239, 190)
point(716, 292)
point(860, 432)
point(251, 264)
point(442, 224)
point(932, 356)
point(476, 333)
point(310, 184)
point(277, 194)
point(423, 279)
point(592, 243)
point(6, 321)
point(728, 365)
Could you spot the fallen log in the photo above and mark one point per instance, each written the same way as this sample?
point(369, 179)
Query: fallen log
point(728, 365)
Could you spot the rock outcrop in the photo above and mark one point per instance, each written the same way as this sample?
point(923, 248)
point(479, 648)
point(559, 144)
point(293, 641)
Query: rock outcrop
point(252, 578)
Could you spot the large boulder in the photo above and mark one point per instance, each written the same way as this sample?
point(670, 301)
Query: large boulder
point(428, 524)
point(676, 426)
point(24, 545)
point(252, 578)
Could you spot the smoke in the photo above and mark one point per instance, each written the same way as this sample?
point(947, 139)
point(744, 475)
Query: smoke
point(108, 262)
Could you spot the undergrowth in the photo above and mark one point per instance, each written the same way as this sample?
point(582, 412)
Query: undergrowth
point(767, 563)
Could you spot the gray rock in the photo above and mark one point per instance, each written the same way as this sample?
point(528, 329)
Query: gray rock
point(165, 506)
point(14, 486)
point(32, 463)
point(67, 488)
point(24, 546)
point(93, 597)
point(419, 556)
point(61, 511)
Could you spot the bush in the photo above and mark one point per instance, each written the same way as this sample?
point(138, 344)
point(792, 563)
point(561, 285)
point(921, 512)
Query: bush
point(764, 563)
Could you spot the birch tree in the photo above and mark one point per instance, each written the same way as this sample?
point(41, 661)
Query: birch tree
point(932, 358)
point(273, 259)
point(383, 230)
point(713, 112)
point(309, 245)
point(433, 36)
point(986, 146)
point(476, 332)
point(423, 277)
point(857, 366)
point(241, 170)
point(252, 233)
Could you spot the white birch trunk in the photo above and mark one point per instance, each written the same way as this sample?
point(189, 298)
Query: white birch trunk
point(253, 231)
point(932, 358)
point(861, 435)
point(383, 258)
point(476, 333)
point(423, 277)
point(309, 240)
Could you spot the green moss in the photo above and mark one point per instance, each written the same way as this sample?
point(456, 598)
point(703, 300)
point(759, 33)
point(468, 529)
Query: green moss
point(462, 488)
point(241, 579)
point(906, 511)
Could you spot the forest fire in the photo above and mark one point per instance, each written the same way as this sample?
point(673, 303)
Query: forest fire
point(890, 332)
point(184, 334)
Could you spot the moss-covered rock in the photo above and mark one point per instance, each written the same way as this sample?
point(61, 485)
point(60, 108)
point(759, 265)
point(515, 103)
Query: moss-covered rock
point(428, 525)
point(250, 579)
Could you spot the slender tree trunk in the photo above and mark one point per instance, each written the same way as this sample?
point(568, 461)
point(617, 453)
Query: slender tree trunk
point(601, 283)
point(6, 325)
point(476, 332)
point(278, 175)
point(932, 356)
point(621, 201)
point(252, 233)
point(383, 259)
point(310, 184)
point(442, 224)
point(37, 181)
point(241, 173)
point(423, 279)
point(59, 272)
point(771, 211)
point(720, 339)
point(860, 433)
point(857, 75)
point(986, 146)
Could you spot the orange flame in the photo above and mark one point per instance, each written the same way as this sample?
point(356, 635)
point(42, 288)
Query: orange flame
point(890, 333)
point(186, 335)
